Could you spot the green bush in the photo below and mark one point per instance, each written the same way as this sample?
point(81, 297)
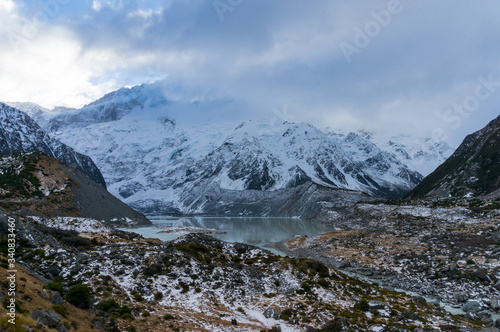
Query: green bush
point(158, 296)
point(128, 316)
point(362, 306)
point(137, 296)
point(106, 305)
point(55, 286)
point(79, 296)
point(124, 309)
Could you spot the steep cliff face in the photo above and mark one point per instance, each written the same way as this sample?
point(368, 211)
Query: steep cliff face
point(473, 170)
point(36, 184)
point(19, 133)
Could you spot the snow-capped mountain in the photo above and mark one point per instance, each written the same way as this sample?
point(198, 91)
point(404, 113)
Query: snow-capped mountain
point(20, 133)
point(423, 155)
point(159, 155)
point(40, 114)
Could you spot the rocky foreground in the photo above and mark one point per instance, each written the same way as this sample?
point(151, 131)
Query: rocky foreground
point(450, 255)
point(122, 282)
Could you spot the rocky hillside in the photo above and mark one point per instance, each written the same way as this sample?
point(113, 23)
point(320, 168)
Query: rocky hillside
point(473, 170)
point(198, 283)
point(19, 133)
point(36, 184)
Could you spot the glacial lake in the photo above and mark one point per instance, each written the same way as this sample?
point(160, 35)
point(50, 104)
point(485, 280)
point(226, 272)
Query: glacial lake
point(250, 230)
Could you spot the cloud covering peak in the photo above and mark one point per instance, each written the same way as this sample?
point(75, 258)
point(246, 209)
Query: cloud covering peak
point(394, 65)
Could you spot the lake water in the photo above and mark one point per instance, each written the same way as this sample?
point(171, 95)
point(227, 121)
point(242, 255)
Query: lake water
point(255, 231)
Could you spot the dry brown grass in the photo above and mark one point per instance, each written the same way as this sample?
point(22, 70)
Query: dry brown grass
point(29, 296)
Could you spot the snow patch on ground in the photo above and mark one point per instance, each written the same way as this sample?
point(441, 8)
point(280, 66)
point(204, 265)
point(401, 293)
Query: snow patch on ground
point(78, 224)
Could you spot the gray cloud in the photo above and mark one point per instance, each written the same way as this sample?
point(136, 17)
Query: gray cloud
point(272, 54)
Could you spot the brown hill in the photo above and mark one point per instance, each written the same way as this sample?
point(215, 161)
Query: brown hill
point(36, 184)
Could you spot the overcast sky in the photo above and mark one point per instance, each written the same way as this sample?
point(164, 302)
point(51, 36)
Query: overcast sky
point(419, 67)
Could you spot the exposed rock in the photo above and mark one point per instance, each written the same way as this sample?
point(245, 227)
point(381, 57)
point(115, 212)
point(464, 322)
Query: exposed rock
point(338, 324)
point(420, 299)
point(45, 317)
point(494, 305)
point(57, 298)
point(484, 314)
point(44, 294)
point(471, 306)
point(461, 296)
point(272, 313)
point(482, 275)
point(409, 314)
point(61, 328)
point(365, 272)
point(342, 264)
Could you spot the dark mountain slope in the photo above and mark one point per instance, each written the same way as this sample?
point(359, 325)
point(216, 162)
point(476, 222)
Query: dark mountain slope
point(473, 170)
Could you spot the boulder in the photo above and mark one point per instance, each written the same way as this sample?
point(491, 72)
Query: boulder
point(419, 299)
point(494, 303)
point(46, 317)
point(471, 306)
point(272, 313)
point(409, 314)
point(44, 294)
point(496, 236)
point(337, 324)
point(61, 328)
point(484, 314)
point(482, 275)
point(461, 296)
point(342, 264)
point(365, 271)
point(57, 298)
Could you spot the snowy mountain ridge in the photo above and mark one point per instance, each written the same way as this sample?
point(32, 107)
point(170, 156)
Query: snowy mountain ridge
point(163, 154)
point(19, 133)
point(423, 155)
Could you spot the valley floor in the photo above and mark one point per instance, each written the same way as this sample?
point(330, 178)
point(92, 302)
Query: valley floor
point(448, 255)
point(199, 283)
